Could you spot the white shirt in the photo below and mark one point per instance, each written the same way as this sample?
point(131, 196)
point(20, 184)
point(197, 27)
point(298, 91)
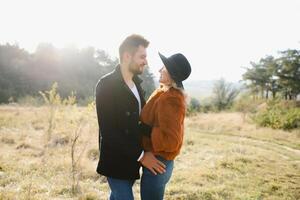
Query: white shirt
point(137, 96)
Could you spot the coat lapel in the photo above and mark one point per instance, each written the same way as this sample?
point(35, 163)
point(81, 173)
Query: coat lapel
point(137, 81)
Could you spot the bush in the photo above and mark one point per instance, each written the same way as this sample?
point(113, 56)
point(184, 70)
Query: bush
point(279, 115)
point(246, 104)
point(30, 100)
point(193, 106)
point(86, 101)
point(208, 107)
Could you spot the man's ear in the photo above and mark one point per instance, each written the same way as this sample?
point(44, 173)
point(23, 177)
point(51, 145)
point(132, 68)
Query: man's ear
point(127, 56)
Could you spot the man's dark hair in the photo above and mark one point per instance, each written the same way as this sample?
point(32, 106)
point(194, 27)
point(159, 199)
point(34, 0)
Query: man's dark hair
point(132, 43)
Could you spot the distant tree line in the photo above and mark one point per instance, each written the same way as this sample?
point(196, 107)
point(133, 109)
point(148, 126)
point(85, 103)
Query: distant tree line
point(78, 70)
point(273, 76)
point(223, 97)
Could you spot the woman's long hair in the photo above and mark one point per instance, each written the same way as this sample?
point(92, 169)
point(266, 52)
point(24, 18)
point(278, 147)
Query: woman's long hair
point(174, 85)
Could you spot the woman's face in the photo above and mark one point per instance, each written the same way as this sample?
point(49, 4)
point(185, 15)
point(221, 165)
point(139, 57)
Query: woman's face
point(165, 77)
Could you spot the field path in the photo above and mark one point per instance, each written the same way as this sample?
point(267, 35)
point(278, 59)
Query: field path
point(286, 152)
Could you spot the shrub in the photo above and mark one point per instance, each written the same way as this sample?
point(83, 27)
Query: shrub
point(30, 100)
point(279, 115)
point(193, 106)
point(246, 104)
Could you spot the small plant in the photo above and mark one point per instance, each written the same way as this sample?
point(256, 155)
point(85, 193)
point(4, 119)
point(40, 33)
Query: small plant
point(11, 100)
point(53, 100)
point(70, 100)
point(75, 168)
point(93, 154)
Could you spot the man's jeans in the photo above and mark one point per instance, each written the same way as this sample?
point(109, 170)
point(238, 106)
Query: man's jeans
point(120, 189)
point(153, 186)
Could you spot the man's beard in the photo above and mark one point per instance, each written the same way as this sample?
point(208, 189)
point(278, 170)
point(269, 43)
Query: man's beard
point(134, 68)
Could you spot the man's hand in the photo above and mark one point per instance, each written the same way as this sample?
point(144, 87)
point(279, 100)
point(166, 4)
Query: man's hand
point(154, 165)
point(145, 129)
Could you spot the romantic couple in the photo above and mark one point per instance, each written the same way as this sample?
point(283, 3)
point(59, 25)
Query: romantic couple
point(133, 133)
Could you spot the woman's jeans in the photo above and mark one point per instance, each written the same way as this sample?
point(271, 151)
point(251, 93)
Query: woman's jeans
point(153, 186)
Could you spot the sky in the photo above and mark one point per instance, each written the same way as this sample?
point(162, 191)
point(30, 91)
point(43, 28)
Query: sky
point(218, 37)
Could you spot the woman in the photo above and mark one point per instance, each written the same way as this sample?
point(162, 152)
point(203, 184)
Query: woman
point(164, 112)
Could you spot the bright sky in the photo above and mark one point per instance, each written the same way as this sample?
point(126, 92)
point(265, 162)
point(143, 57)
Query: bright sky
point(218, 37)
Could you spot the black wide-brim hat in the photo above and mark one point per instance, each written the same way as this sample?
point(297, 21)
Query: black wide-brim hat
point(178, 67)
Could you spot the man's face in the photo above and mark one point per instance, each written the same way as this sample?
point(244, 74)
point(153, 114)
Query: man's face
point(138, 61)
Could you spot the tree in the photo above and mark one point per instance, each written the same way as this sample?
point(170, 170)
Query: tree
point(14, 81)
point(275, 75)
point(289, 73)
point(77, 70)
point(258, 77)
point(223, 94)
point(148, 82)
point(271, 67)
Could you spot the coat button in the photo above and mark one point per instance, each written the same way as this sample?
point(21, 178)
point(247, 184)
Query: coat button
point(128, 113)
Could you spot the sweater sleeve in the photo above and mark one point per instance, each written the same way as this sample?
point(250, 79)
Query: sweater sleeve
point(167, 136)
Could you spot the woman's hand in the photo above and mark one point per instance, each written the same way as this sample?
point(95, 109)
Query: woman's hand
point(152, 163)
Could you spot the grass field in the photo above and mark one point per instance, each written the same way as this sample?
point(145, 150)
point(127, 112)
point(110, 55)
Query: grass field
point(223, 157)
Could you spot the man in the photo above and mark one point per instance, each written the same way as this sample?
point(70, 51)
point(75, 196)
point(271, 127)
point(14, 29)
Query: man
point(119, 100)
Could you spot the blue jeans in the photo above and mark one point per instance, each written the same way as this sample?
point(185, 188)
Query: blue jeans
point(120, 189)
point(153, 186)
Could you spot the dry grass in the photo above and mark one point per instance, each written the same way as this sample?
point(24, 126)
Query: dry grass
point(223, 157)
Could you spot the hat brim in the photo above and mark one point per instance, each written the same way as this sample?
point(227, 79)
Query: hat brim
point(165, 61)
point(168, 64)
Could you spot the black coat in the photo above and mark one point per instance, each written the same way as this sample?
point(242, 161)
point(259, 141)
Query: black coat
point(118, 119)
